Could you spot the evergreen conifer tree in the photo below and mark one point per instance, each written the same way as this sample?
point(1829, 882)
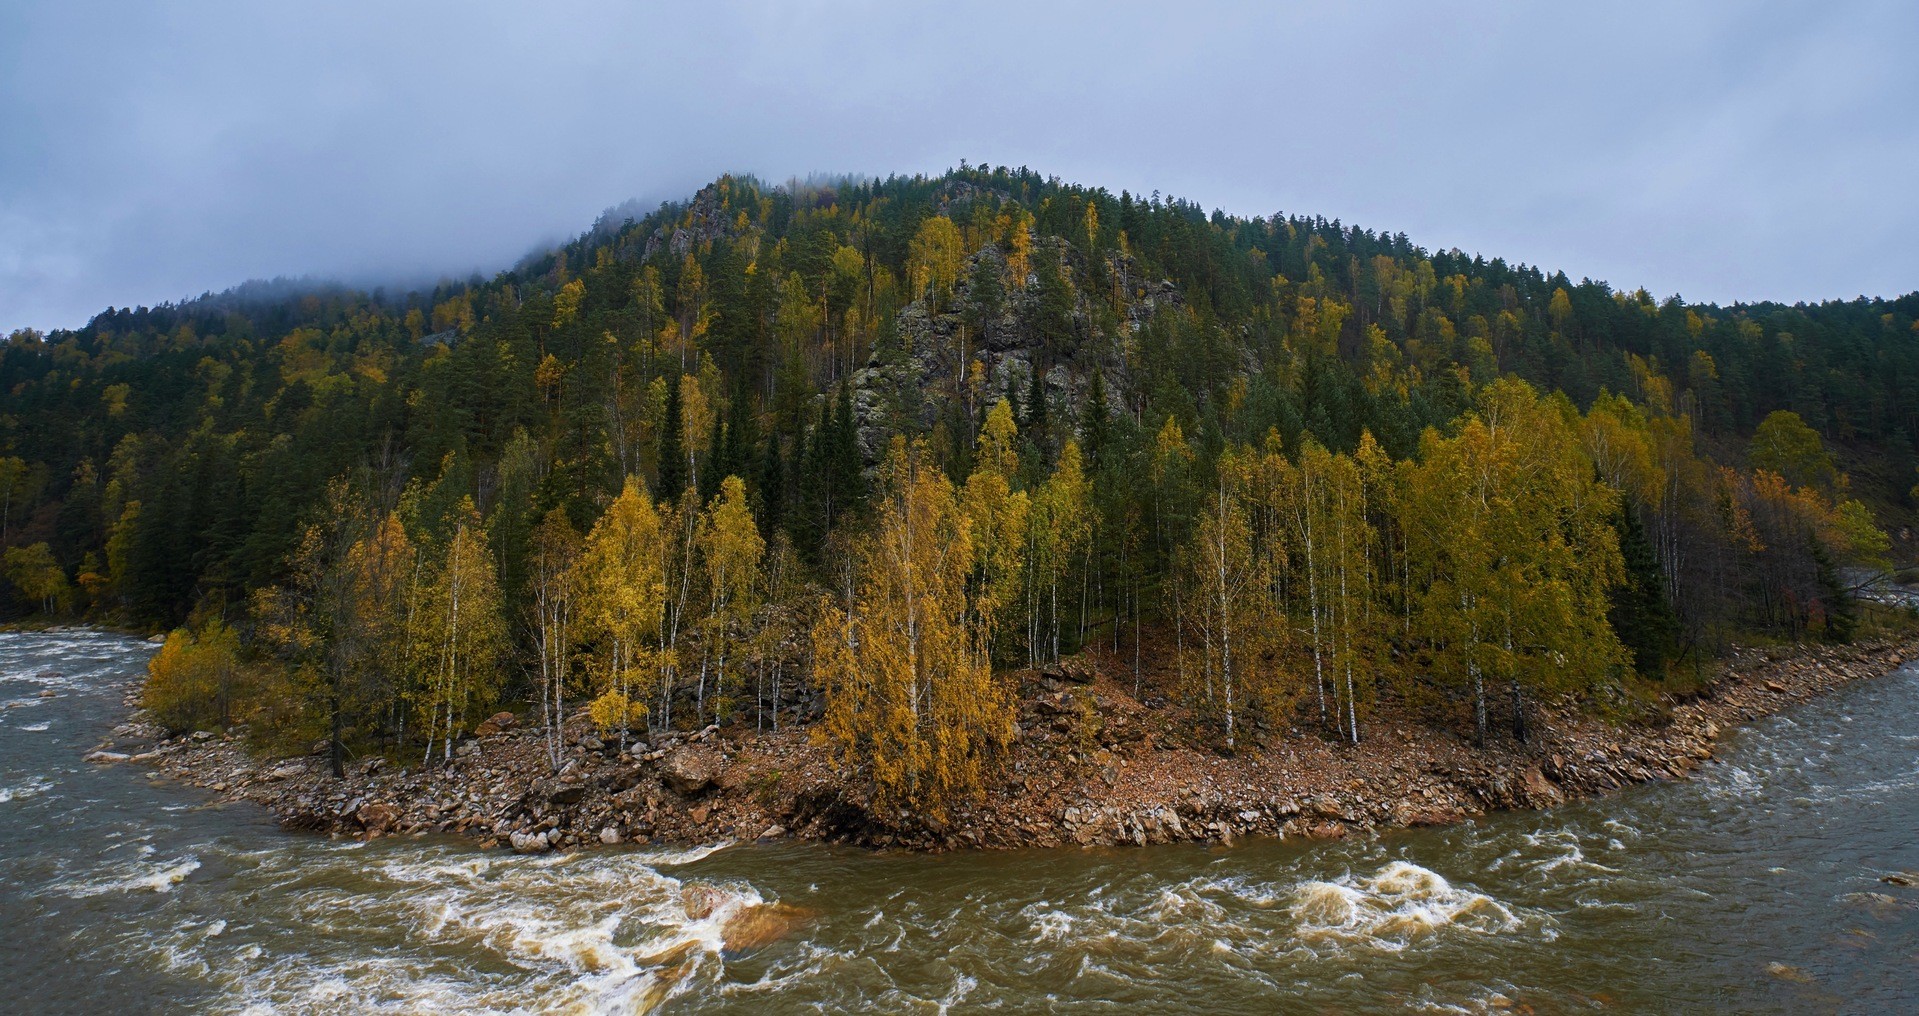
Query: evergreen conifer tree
point(672, 445)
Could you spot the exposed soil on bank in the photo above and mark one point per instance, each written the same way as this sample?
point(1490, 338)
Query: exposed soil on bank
point(1092, 766)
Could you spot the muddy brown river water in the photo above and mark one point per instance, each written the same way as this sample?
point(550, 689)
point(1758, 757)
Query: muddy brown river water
point(1756, 887)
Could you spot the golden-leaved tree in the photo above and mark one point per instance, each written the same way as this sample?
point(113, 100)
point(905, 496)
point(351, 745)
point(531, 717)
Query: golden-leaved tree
point(38, 577)
point(382, 592)
point(620, 585)
point(1510, 529)
point(192, 679)
point(910, 690)
point(731, 549)
point(998, 516)
point(1228, 611)
point(460, 633)
point(933, 260)
point(1061, 528)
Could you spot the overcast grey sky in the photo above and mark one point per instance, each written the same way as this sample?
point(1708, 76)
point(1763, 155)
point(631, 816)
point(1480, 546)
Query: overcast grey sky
point(1724, 151)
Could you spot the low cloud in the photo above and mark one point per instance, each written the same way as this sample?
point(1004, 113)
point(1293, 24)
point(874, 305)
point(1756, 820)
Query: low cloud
point(1716, 151)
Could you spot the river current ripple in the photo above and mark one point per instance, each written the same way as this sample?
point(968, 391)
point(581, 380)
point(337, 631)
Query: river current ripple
point(1755, 887)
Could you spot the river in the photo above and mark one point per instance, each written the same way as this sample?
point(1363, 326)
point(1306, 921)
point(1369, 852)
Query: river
point(1755, 887)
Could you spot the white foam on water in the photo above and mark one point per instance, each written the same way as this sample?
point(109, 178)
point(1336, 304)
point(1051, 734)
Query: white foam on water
point(689, 855)
point(163, 880)
point(479, 933)
point(1049, 925)
point(1566, 853)
point(1876, 788)
point(1736, 783)
point(812, 959)
point(962, 987)
point(34, 785)
point(139, 876)
point(1392, 908)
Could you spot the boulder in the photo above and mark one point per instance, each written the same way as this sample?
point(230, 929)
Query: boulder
point(1540, 791)
point(1077, 669)
point(572, 793)
point(754, 926)
point(1788, 972)
point(529, 843)
point(1327, 831)
point(702, 900)
point(619, 780)
point(689, 772)
point(498, 723)
point(377, 817)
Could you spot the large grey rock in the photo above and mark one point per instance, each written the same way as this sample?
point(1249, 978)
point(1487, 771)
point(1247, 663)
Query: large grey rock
point(690, 772)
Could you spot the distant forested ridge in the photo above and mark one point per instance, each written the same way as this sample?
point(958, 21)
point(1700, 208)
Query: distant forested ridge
point(846, 453)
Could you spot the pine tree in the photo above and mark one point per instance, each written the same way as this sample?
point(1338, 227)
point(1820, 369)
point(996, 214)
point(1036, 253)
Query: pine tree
point(1640, 614)
point(848, 482)
point(1095, 421)
point(770, 486)
point(1036, 401)
point(672, 442)
point(808, 522)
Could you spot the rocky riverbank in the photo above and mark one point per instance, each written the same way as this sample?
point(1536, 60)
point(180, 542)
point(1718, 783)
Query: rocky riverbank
point(1092, 766)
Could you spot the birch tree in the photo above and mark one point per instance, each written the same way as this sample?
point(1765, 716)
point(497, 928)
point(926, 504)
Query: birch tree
point(553, 589)
point(462, 633)
point(911, 695)
point(621, 586)
point(731, 550)
point(1229, 613)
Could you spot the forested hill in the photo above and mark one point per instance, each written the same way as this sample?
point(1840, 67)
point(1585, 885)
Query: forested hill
point(227, 454)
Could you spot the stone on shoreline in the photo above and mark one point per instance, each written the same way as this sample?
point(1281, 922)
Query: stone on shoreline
point(529, 843)
point(378, 817)
point(689, 772)
point(1154, 788)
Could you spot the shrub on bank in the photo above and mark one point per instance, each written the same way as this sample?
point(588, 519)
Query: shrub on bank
point(196, 679)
